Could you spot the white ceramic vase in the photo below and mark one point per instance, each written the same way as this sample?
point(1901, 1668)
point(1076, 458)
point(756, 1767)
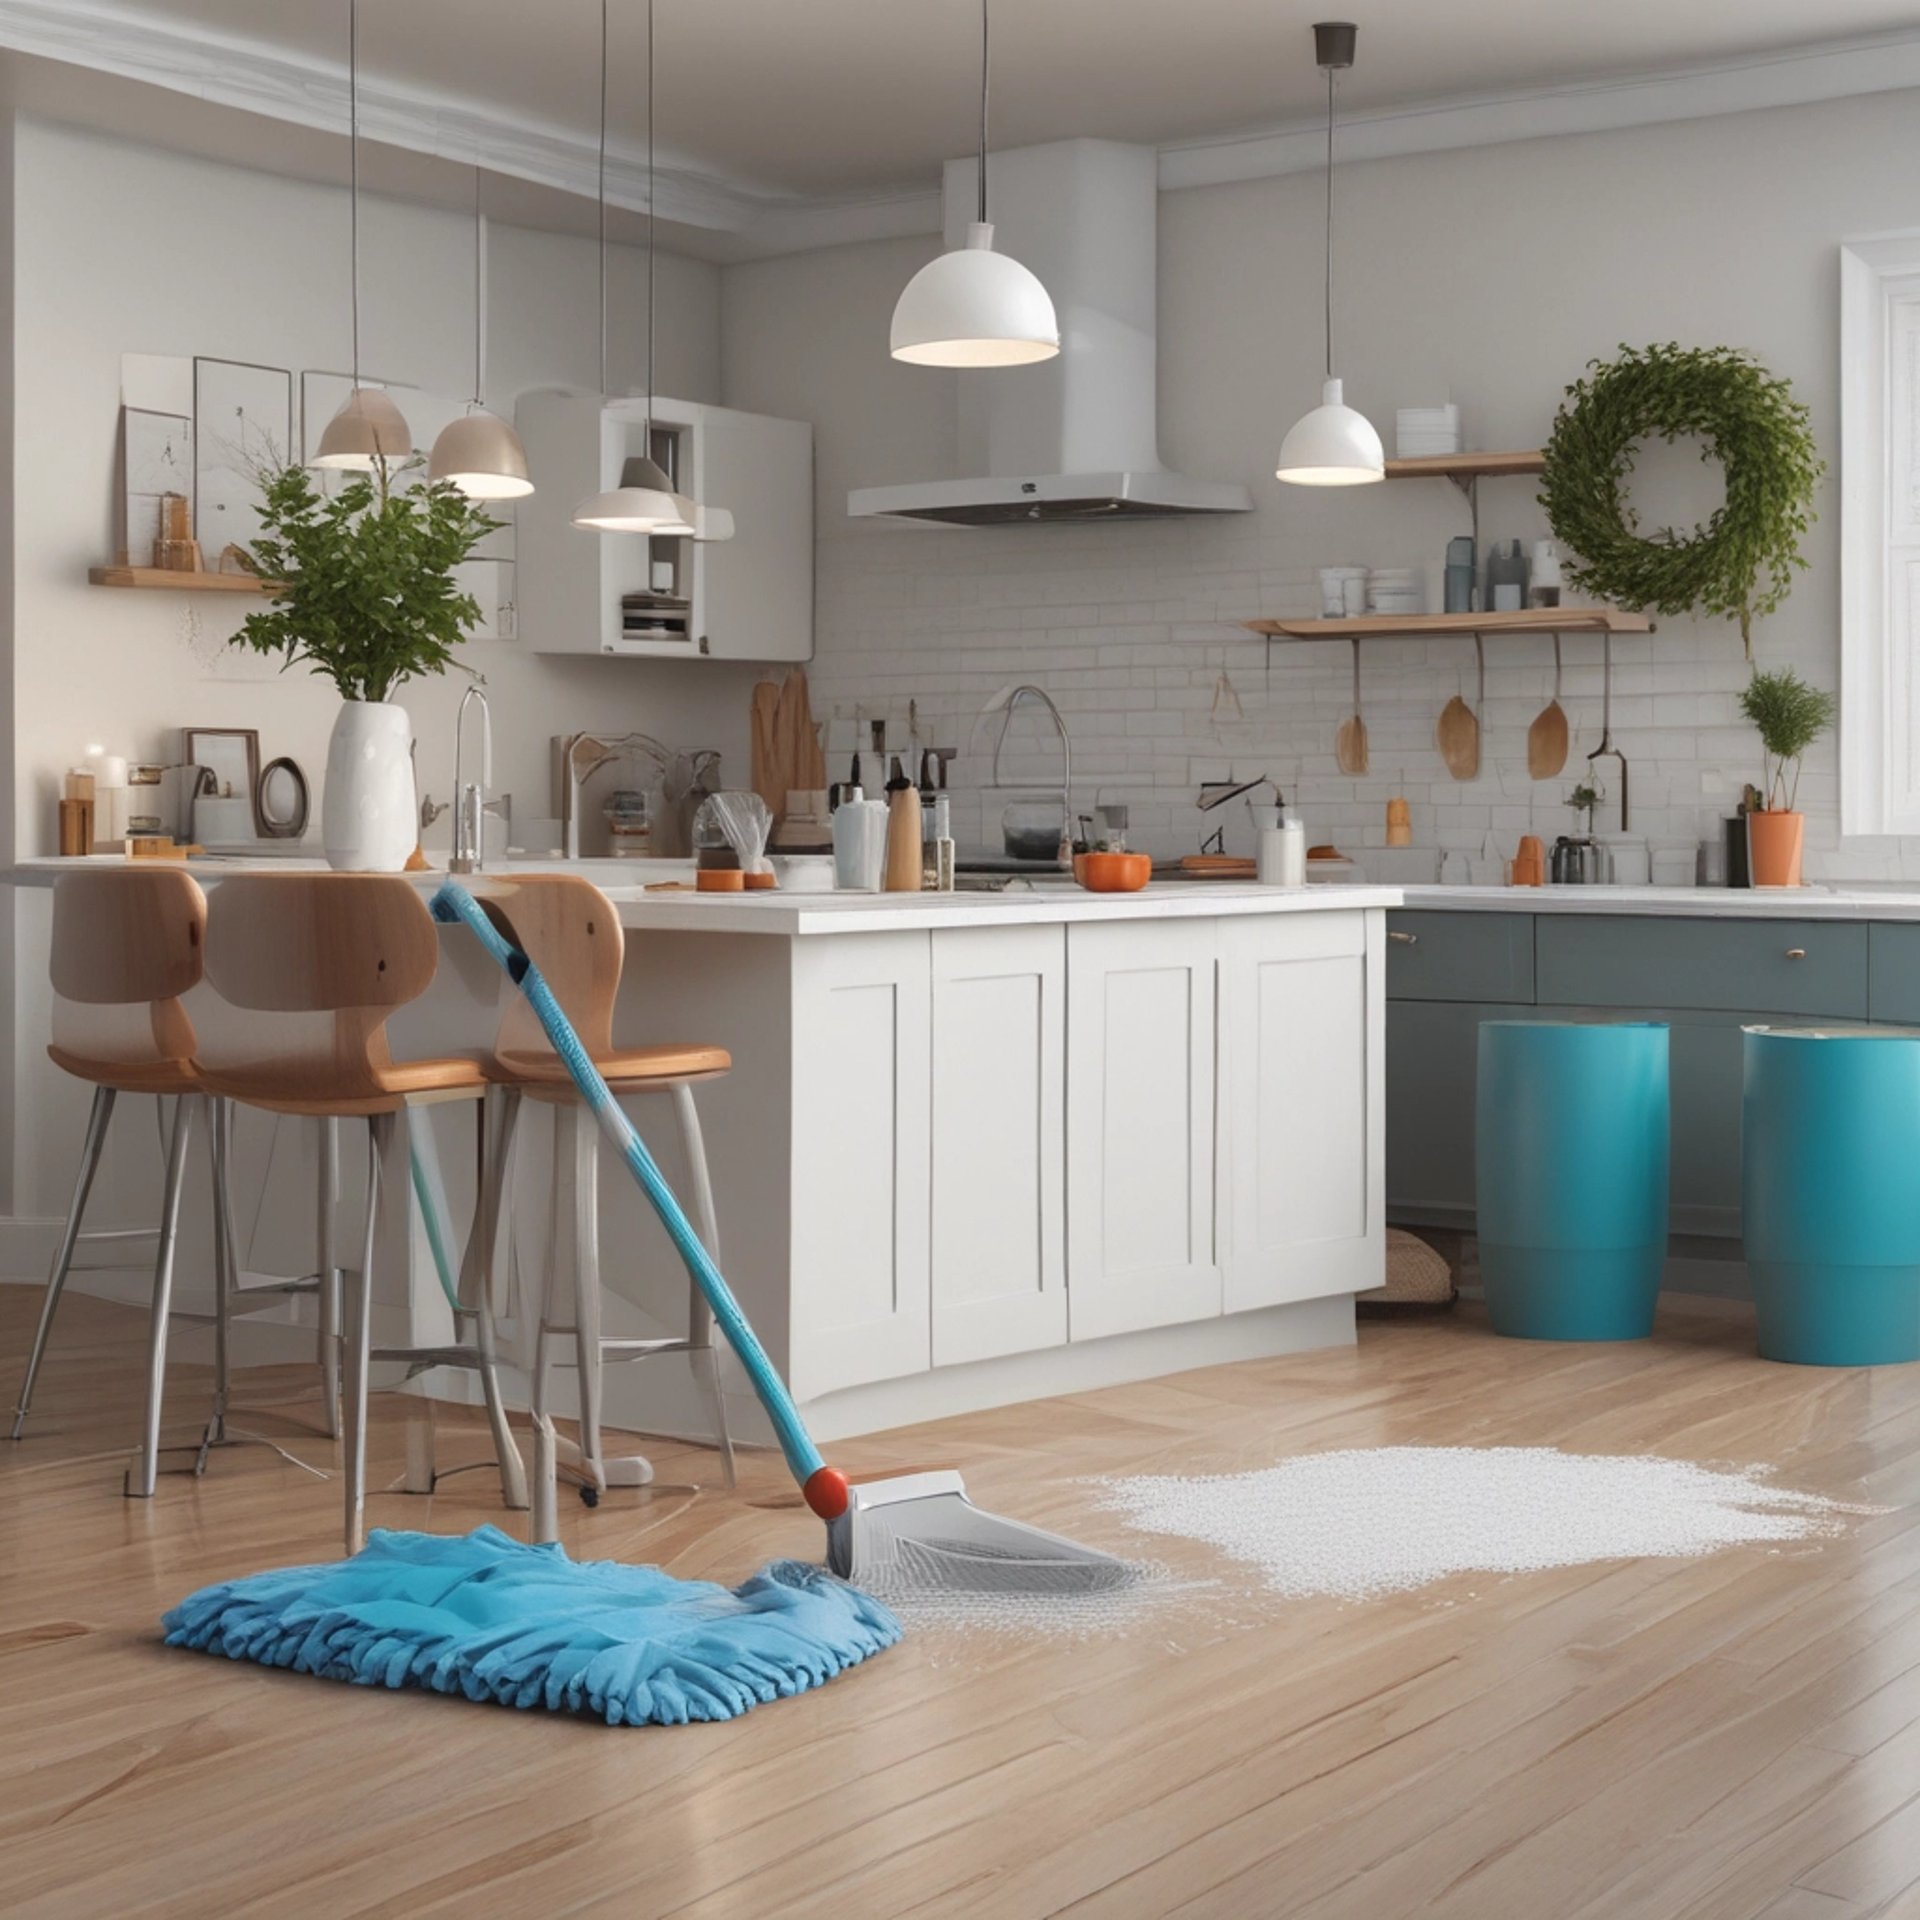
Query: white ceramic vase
point(367, 810)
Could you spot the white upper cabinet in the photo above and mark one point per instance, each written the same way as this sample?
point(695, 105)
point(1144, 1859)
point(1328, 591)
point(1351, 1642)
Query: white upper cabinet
point(748, 598)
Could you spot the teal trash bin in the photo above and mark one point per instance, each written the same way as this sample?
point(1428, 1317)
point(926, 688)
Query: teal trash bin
point(1830, 1193)
point(1570, 1140)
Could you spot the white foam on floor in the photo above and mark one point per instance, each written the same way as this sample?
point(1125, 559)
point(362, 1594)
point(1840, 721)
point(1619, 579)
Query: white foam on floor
point(1357, 1524)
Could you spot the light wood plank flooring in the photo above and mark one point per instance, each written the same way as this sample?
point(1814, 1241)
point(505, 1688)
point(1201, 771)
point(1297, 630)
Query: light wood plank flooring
point(1719, 1739)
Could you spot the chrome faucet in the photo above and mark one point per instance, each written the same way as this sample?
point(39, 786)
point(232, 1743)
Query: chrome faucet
point(1006, 701)
point(470, 797)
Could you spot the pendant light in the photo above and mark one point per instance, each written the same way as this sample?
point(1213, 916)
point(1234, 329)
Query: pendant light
point(644, 501)
point(479, 452)
point(974, 307)
point(1333, 446)
point(369, 428)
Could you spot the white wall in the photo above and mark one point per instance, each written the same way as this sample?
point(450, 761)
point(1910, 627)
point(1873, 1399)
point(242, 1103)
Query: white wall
point(1489, 275)
point(123, 248)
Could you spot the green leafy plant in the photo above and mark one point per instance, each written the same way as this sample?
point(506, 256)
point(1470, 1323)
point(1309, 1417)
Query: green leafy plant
point(1790, 716)
point(365, 589)
point(1584, 799)
point(1741, 563)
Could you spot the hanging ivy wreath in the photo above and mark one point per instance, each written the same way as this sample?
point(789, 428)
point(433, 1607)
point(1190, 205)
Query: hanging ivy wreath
point(1740, 564)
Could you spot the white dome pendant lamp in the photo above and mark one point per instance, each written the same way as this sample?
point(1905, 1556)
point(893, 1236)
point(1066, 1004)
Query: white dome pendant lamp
point(369, 429)
point(645, 500)
point(974, 307)
point(480, 453)
point(1333, 446)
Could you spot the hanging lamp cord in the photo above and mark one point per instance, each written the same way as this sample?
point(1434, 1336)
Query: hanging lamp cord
point(602, 177)
point(1329, 316)
point(479, 296)
point(353, 172)
point(986, 68)
point(650, 196)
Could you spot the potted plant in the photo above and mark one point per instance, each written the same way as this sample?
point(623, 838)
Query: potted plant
point(1789, 716)
point(366, 594)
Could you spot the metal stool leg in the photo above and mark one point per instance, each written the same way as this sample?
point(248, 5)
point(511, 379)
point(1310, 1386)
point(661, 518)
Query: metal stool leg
point(140, 1477)
point(586, 1285)
point(329, 1289)
point(360, 1341)
point(97, 1119)
point(494, 1122)
point(699, 1314)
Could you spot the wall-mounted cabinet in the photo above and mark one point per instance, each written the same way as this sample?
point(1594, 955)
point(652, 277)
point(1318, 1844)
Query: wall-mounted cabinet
point(630, 594)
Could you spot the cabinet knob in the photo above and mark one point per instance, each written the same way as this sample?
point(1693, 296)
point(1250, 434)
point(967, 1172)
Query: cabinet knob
point(1405, 939)
point(1796, 953)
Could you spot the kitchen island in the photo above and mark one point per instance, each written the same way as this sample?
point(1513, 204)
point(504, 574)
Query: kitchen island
point(975, 1148)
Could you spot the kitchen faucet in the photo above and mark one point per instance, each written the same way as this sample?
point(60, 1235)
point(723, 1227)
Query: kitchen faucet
point(470, 798)
point(1006, 701)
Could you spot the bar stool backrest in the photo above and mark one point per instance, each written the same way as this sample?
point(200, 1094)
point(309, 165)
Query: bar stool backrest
point(127, 945)
point(342, 949)
point(571, 931)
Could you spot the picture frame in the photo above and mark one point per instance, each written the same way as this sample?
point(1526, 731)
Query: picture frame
point(232, 756)
point(156, 460)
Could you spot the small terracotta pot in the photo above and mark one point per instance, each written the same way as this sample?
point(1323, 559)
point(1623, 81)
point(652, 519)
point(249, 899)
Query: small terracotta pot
point(1774, 842)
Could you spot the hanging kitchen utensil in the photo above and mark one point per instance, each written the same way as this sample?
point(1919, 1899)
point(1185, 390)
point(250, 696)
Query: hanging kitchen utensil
point(767, 771)
point(1457, 732)
point(1547, 737)
point(1606, 750)
point(1350, 743)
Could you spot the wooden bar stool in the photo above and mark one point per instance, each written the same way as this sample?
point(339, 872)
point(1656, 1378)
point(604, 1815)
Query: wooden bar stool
point(572, 933)
point(126, 947)
point(328, 958)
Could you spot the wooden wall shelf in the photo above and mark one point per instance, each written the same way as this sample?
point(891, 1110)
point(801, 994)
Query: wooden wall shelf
point(1493, 626)
point(166, 580)
point(1464, 468)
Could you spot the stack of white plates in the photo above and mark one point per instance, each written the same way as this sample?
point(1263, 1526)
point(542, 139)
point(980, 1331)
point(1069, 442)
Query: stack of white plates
point(1426, 430)
point(1396, 590)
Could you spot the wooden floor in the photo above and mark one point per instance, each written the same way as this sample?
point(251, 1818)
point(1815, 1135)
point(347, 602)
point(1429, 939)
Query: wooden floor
point(1729, 1737)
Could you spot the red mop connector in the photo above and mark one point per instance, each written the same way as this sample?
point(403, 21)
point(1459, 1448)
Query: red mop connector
point(826, 1492)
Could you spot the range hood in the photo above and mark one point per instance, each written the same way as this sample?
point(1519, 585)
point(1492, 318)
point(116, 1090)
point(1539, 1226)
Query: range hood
point(1072, 439)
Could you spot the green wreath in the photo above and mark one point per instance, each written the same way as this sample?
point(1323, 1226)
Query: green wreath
point(1741, 563)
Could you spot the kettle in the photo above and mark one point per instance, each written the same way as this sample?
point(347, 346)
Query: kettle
point(1579, 863)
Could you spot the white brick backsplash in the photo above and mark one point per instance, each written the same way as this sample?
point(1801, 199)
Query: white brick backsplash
point(1130, 629)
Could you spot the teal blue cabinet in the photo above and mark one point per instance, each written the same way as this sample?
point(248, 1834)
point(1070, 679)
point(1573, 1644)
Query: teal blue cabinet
point(1459, 956)
point(1799, 968)
point(1893, 972)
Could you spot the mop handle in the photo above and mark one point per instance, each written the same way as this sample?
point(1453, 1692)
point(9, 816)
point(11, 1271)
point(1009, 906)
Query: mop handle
point(825, 1489)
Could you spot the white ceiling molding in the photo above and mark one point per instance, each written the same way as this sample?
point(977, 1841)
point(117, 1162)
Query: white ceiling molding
point(1883, 64)
point(747, 219)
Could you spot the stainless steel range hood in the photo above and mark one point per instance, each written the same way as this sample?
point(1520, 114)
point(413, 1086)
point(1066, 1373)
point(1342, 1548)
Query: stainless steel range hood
point(1072, 439)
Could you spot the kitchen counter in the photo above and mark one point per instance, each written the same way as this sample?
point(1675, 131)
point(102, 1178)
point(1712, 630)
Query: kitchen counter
point(1679, 903)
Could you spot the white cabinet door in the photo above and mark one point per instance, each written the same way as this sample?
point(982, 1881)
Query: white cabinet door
point(1302, 1020)
point(1140, 1123)
point(860, 1160)
point(999, 1141)
point(754, 594)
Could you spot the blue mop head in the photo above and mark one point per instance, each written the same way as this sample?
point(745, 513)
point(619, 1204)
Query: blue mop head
point(490, 1618)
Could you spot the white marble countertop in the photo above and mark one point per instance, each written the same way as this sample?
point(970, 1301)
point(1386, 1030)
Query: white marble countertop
point(1680, 903)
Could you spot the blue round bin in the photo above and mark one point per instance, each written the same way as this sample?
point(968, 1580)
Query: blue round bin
point(1570, 1139)
point(1830, 1193)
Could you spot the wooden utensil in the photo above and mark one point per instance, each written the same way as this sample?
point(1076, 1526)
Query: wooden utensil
point(1457, 732)
point(1350, 743)
point(768, 779)
point(1547, 737)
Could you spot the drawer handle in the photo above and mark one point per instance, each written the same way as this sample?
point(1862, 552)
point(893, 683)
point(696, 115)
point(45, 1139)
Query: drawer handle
point(1796, 953)
point(1405, 939)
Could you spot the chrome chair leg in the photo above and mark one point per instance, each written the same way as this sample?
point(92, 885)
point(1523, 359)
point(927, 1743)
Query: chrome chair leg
point(360, 1340)
point(706, 1223)
point(98, 1116)
point(329, 1282)
point(140, 1476)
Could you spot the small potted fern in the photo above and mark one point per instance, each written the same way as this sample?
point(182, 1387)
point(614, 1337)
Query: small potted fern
point(1789, 716)
point(367, 594)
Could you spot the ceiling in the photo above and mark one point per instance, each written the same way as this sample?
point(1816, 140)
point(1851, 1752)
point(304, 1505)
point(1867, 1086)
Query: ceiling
point(852, 97)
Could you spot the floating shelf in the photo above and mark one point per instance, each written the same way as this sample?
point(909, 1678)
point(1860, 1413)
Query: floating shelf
point(166, 580)
point(1465, 468)
point(1409, 626)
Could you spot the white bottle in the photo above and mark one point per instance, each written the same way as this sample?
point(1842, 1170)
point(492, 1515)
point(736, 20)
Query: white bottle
point(859, 843)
